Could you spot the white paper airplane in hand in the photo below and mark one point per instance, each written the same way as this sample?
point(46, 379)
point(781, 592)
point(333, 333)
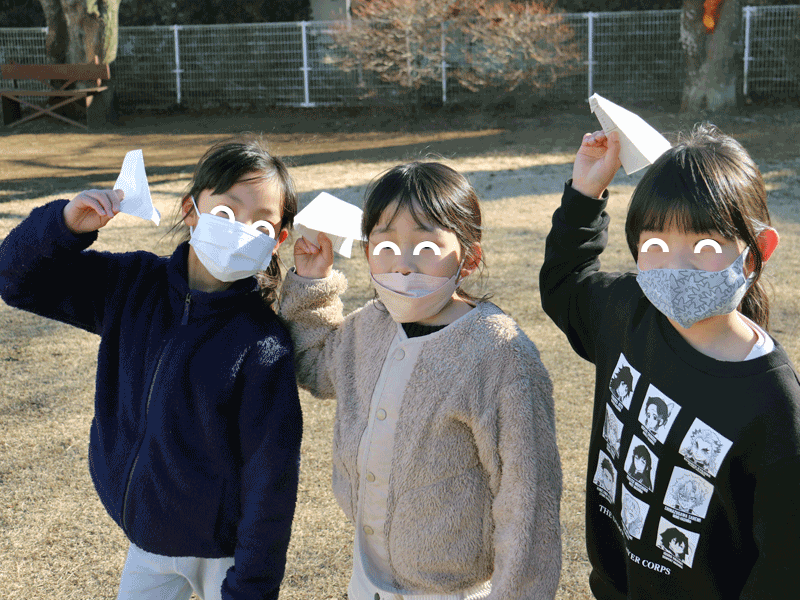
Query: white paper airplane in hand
point(339, 220)
point(640, 144)
point(133, 181)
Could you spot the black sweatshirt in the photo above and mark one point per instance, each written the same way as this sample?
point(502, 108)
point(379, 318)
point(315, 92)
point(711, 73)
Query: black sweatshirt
point(693, 479)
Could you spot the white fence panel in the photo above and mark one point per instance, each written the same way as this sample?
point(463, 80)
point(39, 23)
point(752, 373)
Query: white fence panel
point(631, 57)
point(773, 55)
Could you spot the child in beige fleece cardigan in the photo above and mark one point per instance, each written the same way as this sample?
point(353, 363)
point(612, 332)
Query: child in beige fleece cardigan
point(444, 449)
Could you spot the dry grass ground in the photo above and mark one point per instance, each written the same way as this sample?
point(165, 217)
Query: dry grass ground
point(56, 542)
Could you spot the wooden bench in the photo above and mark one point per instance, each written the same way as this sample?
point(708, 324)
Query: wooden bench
point(56, 98)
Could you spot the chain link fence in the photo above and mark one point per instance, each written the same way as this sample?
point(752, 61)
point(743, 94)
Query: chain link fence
point(632, 57)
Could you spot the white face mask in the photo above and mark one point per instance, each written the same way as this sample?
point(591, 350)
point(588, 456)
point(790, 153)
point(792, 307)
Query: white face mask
point(414, 297)
point(230, 250)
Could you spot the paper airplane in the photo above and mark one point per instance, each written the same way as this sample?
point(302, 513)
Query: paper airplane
point(133, 181)
point(339, 220)
point(640, 144)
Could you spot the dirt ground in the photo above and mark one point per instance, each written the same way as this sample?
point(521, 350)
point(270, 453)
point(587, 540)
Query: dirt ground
point(56, 541)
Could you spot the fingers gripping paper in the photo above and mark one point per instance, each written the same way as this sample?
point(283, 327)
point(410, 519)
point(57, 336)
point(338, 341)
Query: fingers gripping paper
point(640, 144)
point(339, 220)
point(133, 181)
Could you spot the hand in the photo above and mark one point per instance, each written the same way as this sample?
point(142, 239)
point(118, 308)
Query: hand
point(596, 163)
point(312, 262)
point(92, 209)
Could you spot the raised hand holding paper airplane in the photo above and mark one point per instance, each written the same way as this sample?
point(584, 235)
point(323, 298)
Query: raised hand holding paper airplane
point(339, 220)
point(640, 144)
point(133, 181)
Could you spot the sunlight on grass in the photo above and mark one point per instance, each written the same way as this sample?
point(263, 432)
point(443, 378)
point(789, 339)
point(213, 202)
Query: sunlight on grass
point(56, 540)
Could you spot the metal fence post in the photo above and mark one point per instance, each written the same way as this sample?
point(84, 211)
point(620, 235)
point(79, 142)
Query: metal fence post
point(590, 51)
point(178, 69)
point(305, 69)
point(444, 67)
point(748, 12)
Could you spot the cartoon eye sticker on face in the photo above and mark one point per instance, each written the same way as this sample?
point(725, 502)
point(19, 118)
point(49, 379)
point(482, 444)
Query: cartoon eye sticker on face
point(709, 242)
point(655, 242)
point(226, 209)
point(422, 245)
point(270, 230)
point(391, 245)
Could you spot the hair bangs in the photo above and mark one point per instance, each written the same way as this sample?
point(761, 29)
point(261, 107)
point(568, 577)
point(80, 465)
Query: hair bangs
point(415, 187)
point(675, 193)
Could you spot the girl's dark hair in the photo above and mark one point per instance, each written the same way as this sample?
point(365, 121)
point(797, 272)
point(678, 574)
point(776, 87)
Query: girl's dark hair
point(229, 162)
point(706, 182)
point(432, 191)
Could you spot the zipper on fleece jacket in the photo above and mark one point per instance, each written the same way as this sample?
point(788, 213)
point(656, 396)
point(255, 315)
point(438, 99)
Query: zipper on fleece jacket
point(136, 460)
point(184, 321)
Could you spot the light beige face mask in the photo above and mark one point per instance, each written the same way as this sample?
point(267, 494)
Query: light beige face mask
point(415, 296)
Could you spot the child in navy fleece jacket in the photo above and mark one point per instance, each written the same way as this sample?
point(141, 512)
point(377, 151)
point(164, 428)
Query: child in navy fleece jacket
point(195, 442)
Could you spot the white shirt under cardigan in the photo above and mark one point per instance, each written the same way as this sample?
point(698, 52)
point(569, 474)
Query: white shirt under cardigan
point(371, 567)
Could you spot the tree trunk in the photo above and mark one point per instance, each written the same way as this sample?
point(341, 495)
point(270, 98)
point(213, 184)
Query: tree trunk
point(713, 58)
point(79, 30)
point(57, 35)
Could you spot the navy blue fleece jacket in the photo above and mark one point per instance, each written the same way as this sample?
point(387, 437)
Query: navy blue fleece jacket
point(195, 441)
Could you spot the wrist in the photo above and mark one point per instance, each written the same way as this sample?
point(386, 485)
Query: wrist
point(65, 218)
point(65, 221)
point(311, 275)
point(586, 189)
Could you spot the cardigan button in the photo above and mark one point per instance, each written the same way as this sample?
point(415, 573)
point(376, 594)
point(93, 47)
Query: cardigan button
point(399, 354)
point(370, 477)
point(381, 414)
point(368, 530)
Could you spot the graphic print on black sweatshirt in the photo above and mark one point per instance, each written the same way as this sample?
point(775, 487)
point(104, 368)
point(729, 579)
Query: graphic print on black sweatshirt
point(677, 543)
point(605, 477)
point(704, 448)
point(657, 415)
point(694, 462)
point(640, 466)
point(622, 383)
point(688, 496)
point(634, 512)
point(612, 431)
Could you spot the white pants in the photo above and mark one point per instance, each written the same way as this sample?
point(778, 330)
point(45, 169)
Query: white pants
point(149, 576)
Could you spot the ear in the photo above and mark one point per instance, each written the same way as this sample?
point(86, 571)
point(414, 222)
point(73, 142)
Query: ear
point(188, 213)
point(471, 265)
point(767, 242)
point(281, 238)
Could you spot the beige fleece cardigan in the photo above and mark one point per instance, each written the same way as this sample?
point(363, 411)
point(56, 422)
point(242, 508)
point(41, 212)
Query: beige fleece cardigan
point(475, 483)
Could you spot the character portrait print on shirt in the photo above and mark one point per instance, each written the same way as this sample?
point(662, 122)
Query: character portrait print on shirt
point(688, 496)
point(622, 383)
point(605, 477)
point(704, 448)
point(640, 466)
point(657, 415)
point(634, 512)
point(612, 431)
point(677, 543)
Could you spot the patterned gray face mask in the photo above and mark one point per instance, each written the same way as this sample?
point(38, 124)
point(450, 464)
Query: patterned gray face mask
point(688, 296)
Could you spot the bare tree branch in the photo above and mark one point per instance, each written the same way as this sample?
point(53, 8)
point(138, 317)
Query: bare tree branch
point(499, 44)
